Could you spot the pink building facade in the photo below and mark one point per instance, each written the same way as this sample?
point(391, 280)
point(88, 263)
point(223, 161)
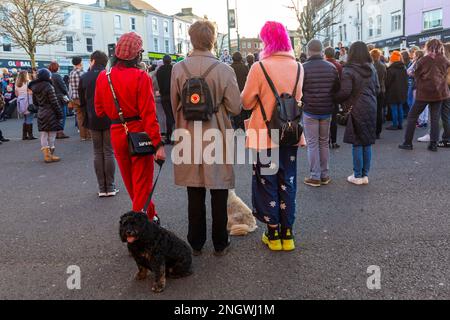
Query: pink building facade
point(425, 20)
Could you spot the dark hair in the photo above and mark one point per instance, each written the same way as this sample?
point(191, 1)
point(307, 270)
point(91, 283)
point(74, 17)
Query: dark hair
point(359, 54)
point(406, 57)
point(100, 58)
point(330, 52)
point(53, 66)
point(167, 59)
point(237, 57)
point(76, 61)
point(127, 63)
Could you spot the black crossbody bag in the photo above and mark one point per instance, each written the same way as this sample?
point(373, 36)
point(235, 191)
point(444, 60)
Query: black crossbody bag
point(139, 143)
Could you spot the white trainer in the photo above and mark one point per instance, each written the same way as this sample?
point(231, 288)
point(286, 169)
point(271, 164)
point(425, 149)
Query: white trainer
point(355, 181)
point(102, 194)
point(425, 138)
point(365, 181)
point(112, 193)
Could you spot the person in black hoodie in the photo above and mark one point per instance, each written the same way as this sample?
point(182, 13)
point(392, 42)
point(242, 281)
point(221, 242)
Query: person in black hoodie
point(358, 94)
point(396, 90)
point(104, 164)
point(49, 113)
point(241, 71)
point(164, 76)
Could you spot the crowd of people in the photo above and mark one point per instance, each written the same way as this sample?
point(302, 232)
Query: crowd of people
point(357, 87)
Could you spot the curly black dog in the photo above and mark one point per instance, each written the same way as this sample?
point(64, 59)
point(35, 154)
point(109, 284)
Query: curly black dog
point(155, 249)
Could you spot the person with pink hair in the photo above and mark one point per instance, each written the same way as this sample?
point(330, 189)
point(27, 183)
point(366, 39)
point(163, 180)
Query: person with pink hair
point(273, 196)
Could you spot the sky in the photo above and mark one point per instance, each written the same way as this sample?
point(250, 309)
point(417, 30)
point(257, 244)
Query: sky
point(251, 14)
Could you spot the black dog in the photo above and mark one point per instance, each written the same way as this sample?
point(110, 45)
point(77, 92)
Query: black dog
point(155, 249)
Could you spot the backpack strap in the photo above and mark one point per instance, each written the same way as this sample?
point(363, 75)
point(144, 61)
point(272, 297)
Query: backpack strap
point(186, 70)
point(294, 93)
point(270, 82)
point(208, 71)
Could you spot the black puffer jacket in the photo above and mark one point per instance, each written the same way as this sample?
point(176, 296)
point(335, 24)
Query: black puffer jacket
point(396, 84)
point(360, 88)
point(320, 84)
point(49, 114)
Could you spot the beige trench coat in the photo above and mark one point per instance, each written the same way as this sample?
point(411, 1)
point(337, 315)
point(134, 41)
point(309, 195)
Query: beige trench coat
point(225, 92)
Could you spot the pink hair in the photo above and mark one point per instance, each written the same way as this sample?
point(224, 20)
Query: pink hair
point(275, 37)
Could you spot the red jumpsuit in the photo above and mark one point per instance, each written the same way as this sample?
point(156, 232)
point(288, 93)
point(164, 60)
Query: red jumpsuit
point(134, 90)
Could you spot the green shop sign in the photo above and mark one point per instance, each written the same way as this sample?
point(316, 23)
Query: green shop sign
point(160, 56)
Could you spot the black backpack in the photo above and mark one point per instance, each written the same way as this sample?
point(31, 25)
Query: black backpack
point(287, 114)
point(196, 98)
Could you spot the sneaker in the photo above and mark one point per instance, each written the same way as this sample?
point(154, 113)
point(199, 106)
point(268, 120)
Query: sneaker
point(112, 193)
point(222, 253)
point(102, 195)
point(355, 181)
point(312, 182)
point(425, 138)
point(366, 181)
point(433, 147)
point(325, 181)
point(334, 146)
point(273, 241)
point(287, 240)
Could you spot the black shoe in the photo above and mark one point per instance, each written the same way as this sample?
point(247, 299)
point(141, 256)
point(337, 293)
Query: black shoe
point(392, 128)
point(378, 136)
point(335, 146)
point(433, 147)
point(408, 147)
point(444, 144)
point(400, 127)
point(224, 252)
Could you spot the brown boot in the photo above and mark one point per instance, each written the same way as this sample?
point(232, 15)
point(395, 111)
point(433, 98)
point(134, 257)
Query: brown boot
point(52, 154)
point(47, 155)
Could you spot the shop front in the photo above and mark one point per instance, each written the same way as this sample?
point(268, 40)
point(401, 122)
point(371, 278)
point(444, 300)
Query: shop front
point(156, 56)
point(389, 45)
point(21, 64)
point(421, 39)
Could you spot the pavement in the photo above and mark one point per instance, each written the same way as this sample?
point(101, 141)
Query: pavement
point(51, 219)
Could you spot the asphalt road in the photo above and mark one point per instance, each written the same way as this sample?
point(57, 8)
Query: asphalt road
point(51, 218)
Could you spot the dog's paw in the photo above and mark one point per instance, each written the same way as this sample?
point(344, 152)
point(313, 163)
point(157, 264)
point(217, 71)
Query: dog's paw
point(158, 287)
point(141, 275)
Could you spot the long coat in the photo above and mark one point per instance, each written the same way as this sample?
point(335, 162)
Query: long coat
point(431, 79)
point(49, 111)
point(396, 84)
point(359, 88)
point(225, 94)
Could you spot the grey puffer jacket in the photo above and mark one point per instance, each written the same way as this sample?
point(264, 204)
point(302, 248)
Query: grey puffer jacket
point(359, 91)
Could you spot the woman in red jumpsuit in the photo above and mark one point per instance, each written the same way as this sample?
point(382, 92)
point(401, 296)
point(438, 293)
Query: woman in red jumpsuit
point(134, 92)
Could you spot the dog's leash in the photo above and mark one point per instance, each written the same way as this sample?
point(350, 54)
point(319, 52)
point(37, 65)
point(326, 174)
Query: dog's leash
point(149, 200)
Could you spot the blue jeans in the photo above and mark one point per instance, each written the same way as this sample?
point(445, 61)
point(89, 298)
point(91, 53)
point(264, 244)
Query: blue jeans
point(64, 112)
point(28, 118)
point(362, 157)
point(410, 94)
point(397, 114)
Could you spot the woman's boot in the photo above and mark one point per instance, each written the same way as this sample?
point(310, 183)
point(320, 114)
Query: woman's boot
point(24, 132)
point(52, 155)
point(30, 132)
point(47, 154)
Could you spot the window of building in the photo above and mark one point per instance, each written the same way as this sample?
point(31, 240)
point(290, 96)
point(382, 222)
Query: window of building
point(7, 44)
point(345, 32)
point(69, 43)
point(179, 48)
point(167, 46)
point(166, 27)
point(133, 24)
point(379, 24)
point(432, 19)
point(155, 25)
point(87, 21)
point(156, 44)
point(117, 22)
point(396, 21)
point(340, 33)
point(89, 45)
point(371, 26)
point(180, 29)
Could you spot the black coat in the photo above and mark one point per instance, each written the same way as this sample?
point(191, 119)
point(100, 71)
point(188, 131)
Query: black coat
point(241, 71)
point(396, 84)
point(359, 88)
point(49, 111)
point(86, 91)
point(320, 84)
point(60, 87)
point(164, 76)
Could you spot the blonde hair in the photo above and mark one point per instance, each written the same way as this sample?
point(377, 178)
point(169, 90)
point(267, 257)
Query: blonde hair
point(447, 50)
point(22, 78)
point(203, 35)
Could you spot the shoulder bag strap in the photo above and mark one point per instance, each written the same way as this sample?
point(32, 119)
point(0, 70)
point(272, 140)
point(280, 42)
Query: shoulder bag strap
point(271, 84)
point(116, 102)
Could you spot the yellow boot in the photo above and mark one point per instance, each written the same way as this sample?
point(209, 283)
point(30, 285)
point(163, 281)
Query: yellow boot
point(52, 154)
point(47, 154)
point(271, 238)
point(287, 239)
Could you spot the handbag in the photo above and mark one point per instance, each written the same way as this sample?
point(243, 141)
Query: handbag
point(31, 106)
point(343, 118)
point(139, 143)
